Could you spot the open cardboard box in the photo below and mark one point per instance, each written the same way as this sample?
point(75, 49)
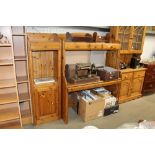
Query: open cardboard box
point(91, 110)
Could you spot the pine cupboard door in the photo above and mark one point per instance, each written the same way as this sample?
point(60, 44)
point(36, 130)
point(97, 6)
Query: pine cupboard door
point(138, 35)
point(46, 102)
point(124, 90)
point(137, 85)
point(124, 37)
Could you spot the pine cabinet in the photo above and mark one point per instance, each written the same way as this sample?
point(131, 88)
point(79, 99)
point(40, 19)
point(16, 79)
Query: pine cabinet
point(46, 98)
point(124, 91)
point(149, 81)
point(137, 85)
point(45, 76)
point(131, 85)
point(130, 37)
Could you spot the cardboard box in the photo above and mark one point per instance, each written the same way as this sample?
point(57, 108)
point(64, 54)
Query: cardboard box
point(74, 101)
point(91, 110)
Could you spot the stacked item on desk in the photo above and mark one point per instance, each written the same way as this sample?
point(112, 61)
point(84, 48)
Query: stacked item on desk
point(91, 106)
point(111, 105)
point(108, 73)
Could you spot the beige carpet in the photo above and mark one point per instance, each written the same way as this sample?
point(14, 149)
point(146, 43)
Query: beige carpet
point(142, 108)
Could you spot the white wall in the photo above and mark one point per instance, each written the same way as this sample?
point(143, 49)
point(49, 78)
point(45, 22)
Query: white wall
point(94, 57)
point(149, 47)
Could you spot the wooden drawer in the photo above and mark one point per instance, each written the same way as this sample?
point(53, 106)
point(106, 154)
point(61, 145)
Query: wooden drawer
point(11, 124)
point(138, 74)
point(9, 112)
point(150, 77)
point(151, 69)
point(149, 85)
point(127, 76)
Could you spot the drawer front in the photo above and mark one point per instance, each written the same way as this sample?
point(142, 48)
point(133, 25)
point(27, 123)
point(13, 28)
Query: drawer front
point(138, 74)
point(127, 76)
point(11, 124)
point(149, 85)
point(151, 70)
point(150, 77)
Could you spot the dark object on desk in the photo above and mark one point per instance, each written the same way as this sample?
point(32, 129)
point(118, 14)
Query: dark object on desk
point(79, 37)
point(123, 65)
point(99, 38)
point(108, 73)
point(81, 73)
point(135, 62)
point(111, 110)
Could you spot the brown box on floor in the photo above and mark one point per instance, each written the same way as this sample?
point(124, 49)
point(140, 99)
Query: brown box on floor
point(73, 101)
point(91, 110)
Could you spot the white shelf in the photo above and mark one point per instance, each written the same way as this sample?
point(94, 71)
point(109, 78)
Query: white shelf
point(6, 62)
point(5, 45)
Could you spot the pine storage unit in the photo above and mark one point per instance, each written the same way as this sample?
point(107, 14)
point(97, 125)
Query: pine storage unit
point(9, 103)
point(149, 81)
point(131, 39)
point(67, 88)
point(132, 84)
point(45, 76)
point(22, 72)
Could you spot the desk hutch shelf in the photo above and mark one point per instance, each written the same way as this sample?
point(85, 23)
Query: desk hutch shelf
point(85, 46)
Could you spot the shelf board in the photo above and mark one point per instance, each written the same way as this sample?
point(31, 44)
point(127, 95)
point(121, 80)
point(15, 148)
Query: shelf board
point(9, 114)
point(20, 58)
point(79, 87)
point(89, 46)
point(6, 62)
point(27, 120)
point(18, 34)
point(26, 117)
point(131, 52)
point(8, 98)
point(5, 45)
point(7, 83)
point(24, 97)
point(22, 79)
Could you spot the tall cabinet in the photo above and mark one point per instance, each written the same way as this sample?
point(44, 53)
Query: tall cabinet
point(19, 39)
point(45, 76)
point(131, 39)
point(10, 116)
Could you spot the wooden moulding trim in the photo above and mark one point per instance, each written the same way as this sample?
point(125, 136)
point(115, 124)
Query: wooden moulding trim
point(131, 52)
point(91, 46)
point(79, 87)
point(41, 46)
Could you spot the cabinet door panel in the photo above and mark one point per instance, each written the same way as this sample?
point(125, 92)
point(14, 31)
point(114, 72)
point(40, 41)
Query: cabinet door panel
point(124, 89)
point(138, 37)
point(46, 101)
point(137, 86)
point(124, 35)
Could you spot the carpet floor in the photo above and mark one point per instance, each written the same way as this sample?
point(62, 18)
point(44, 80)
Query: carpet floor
point(132, 111)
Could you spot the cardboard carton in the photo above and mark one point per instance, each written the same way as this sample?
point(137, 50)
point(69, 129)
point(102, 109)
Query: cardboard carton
point(91, 110)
